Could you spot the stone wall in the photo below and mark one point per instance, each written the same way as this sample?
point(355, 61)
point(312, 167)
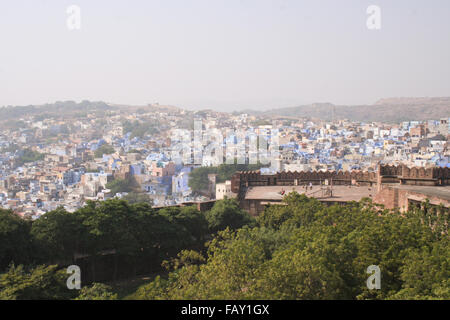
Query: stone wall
point(254, 178)
point(386, 174)
point(392, 197)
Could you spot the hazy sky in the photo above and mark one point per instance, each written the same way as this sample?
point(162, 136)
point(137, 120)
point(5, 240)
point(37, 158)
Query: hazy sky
point(223, 54)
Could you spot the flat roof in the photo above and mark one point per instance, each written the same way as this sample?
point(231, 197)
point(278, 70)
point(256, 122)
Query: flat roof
point(442, 192)
point(340, 193)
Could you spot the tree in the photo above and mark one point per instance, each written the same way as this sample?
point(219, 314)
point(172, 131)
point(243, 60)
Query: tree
point(121, 185)
point(155, 290)
point(227, 213)
point(15, 244)
point(191, 223)
point(158, 237)
point(40, 283)
point(97, 291)
point(426, 273)
point(301, 249)
point(111, 225)
point(300, 210)
point(29, 155)
point(58, 235)
point(305, 250)
point(198, 178)
point(137, 197)
point(140, 129)
point(104, 149)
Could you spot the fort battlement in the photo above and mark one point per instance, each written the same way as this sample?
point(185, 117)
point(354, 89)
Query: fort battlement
point(396, 186)
point(385, 174)
point(433, 176)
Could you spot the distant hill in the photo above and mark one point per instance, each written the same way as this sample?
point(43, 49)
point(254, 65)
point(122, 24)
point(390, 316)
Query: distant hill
point(65, 109)
point(384, 110)
point(147, 108)
point(59, 108)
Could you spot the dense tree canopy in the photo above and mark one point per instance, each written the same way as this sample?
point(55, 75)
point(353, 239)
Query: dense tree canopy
point(97, 291)
point(57, 236)
point(226, 213)
point(15, 244)
point(131, 232)
point(305, 250)
point(40, 283)
point(299, 250)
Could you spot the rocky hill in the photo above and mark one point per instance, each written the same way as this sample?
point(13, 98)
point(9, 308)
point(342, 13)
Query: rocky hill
point(384, 110)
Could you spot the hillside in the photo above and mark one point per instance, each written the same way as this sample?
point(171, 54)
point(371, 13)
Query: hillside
point(385, 110)
point(59, 108)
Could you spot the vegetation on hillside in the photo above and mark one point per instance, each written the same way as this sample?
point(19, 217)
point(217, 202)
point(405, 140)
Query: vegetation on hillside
point(198, 178)
point(386, 110)
point(57, 109)
point(139, 129)
point(104, 149)
point(29, 155)
point(137, 197)
point(299, 250)
point(116, 238)
point(122, 185)
point(305, 250)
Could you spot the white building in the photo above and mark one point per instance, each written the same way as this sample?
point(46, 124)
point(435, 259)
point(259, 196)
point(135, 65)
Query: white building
point(224, 190)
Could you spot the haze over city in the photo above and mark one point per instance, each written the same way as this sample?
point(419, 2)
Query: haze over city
point(223, 54)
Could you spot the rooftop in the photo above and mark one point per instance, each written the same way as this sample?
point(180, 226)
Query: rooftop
point(340, 193)
point(431, 191)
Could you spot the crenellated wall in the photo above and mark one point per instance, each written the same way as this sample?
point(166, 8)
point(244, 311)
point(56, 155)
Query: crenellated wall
point(425, 176)
point(255, 178)
point(386, 174)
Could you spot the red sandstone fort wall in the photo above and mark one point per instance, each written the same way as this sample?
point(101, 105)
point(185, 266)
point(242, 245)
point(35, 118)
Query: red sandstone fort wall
point(385, 174)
